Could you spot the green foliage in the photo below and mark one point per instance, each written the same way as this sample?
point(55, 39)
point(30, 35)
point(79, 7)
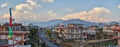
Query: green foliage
point(49, 33)
point(33, 31)
point(56, 34)
point(34, 36)
point(100, 34)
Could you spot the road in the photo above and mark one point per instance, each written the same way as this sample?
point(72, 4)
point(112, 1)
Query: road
point(45, 39)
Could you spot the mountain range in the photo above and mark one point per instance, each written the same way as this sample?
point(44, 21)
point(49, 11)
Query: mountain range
point(65, 22)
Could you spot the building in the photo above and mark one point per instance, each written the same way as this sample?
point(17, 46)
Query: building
point(108, 32)
point(70, 32)
point(18, 39)
point(116, 34)
point(15, 26)
point(75, 31)
point(30, 26)
point(115, 29)
point(60, 30)
point(2, 28)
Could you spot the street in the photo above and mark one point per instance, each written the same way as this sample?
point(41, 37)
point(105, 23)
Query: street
point(45, 39)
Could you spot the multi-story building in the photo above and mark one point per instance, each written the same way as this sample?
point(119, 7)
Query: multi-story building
point(15, 26)
point(71, 31)
point(60, 30)
point(75, 31)
point(116, 34)
point(2, 28)
point(18, 39)
point(108, 32)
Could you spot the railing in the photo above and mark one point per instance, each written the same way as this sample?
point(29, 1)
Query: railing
point(13, 42)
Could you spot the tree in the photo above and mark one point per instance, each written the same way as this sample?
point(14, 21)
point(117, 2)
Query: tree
point(34, 37)
point(33, 31)
point(56, 34)
point(99, 34)
point(49, 33)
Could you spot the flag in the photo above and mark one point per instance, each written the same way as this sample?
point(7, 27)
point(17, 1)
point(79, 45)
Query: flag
point(10, 17)
point(10, 34)
point(10, 21)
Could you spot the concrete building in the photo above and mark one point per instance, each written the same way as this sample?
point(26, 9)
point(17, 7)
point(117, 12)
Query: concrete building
point(15, 26)
point(75, 31)
point(18, 39)
point(2, 28)
point(116, 32)
point(71, 31)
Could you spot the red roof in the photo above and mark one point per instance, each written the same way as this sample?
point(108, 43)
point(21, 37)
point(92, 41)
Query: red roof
point(115, 28)
point(116, 37)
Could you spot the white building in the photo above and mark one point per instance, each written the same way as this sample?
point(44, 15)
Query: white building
point(73, 31)
point(18, 38)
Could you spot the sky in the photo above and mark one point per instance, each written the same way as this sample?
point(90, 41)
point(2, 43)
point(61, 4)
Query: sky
point(45, 10)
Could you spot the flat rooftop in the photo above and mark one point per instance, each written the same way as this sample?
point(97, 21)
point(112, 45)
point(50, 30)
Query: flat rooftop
point(15, 32)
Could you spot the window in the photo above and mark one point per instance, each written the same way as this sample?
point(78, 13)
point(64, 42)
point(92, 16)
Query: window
point(17, 28)
point(69, 31)
point(72, 36)
point(77, 31)
point(116, 33)
point(68, 36)
point(72, 30)
point(77, 36)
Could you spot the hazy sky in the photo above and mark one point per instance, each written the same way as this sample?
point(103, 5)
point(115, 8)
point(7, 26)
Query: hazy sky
point(45, 10)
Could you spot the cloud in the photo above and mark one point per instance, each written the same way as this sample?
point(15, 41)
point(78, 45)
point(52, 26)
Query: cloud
point(48, 1)
point(68, 9)
point(92, 15)
point(27, 6)
point(52, 15)
point(50, 12)
point(21, 16)
point(31, 2)
point(118, 6)
point(4, 5)
point(21, 6)
point(25, 12)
